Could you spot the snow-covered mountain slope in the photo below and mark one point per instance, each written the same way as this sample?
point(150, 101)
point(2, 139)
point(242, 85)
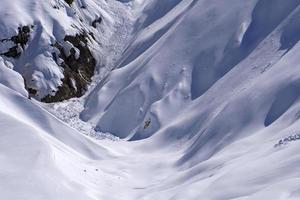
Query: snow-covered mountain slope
point(175, 60)
point(57, 46)
point(204, 99)
point(216, 78)
point(36, 151)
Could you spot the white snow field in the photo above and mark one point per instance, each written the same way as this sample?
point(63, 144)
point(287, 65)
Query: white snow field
point(202, 103)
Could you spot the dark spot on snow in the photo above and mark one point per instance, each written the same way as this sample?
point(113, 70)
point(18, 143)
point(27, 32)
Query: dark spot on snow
point(288, 139)
point(31, 91)
point(96, 21)
point(147, 123)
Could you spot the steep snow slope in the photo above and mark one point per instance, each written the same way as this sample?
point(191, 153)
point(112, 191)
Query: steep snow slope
point(57, 47)
point(220, 81)
point(206, 92)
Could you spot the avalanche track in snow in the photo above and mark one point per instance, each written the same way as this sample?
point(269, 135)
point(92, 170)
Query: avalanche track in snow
point(193, 99)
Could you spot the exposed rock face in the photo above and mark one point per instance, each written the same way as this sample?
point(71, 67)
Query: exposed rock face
point(72, 55)
point(20, 40)
point(78, 64)
point(69, 1)
point(13, 52)
point(96, 21)
point(23, 36)
point(51, 47)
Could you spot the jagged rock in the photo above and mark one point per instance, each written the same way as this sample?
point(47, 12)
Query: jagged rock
point(23, 36)
point(12, 52)
point(20, 40)
point(78, 65)
point(96, 21)
point(74, 57)
point(147, 123)
point(69, 1)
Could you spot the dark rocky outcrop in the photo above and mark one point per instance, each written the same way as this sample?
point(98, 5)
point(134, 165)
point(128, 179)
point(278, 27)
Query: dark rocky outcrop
point(69, 1)
point(20, 40)
point(96, 21)
point(23, 36)
point(13, 52)
point(78, 64)
point(78, 70)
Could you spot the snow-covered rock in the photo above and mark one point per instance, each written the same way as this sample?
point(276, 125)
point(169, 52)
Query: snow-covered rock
point(32, 33)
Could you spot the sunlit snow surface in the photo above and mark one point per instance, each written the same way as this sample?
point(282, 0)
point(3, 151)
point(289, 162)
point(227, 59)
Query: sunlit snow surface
point(207, 93)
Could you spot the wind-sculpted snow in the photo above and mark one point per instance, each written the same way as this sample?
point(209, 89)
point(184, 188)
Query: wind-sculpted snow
point(217, 80)
point(183, 53)
point(37, 151)
point(202, 104)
